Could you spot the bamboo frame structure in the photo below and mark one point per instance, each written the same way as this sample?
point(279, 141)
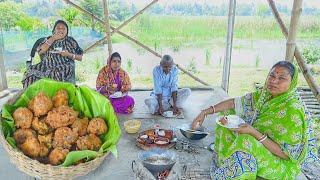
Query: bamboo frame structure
point(128, 37)
point(107, 25)
point(301, 62)
point(119, 27)
point(133, 17)
point(3, 77)
point(291, 40)
point(227, 59)
point(291, 45)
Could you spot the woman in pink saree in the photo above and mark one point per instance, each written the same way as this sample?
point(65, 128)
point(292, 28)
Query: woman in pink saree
point(114, 83)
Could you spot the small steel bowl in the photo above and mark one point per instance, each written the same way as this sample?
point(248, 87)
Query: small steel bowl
point(197, 134)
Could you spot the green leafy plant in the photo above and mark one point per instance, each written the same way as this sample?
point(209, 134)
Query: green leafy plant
point(69, 14)
point(311, 54)
point(192, 67)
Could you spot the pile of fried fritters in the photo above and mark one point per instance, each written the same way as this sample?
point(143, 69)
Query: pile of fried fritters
point(49, 129)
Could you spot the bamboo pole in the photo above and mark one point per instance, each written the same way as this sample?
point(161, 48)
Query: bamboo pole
point(107, 25)
point(227, 59)
point(119, 27)
point(128, 37)
point(3, 78)
point(103, 39)
point(303, 66)
point(191, 75)
point(291, 41)
point(133, 17)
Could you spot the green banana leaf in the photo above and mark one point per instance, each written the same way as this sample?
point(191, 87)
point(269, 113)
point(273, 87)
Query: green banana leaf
point(83, 99)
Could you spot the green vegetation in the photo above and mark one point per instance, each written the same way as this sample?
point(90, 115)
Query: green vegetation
point(194, 31)
point(311, 53)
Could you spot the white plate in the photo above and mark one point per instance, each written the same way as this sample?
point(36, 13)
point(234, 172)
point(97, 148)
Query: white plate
point(54, 52)
point(117, 94)
point(233, 121)
point(169, 114)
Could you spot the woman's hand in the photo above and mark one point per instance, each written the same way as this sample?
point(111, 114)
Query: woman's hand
point(111, 88)
point(198, 120)
point(65, 53)
point(57, 36)
point(245, 129)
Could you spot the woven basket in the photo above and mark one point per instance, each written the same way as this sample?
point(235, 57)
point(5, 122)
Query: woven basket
point(45, 171)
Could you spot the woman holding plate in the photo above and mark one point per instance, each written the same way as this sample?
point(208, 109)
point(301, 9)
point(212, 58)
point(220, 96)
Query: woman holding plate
point(114, 83)
point(58, 54)
point(272, 143)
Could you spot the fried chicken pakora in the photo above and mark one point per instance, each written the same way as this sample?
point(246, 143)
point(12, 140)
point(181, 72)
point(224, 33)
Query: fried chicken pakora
point(40, 105)
point(44, 150)
point(61, 98)
point(21, 135)
point(40, 126)
point(58, 155)
point(64, 137)
point(46, 140)
point(97, 126)
point(30, 147)
point(80, 126)
point(61, 116)
point(89, 142)
point(22, 118)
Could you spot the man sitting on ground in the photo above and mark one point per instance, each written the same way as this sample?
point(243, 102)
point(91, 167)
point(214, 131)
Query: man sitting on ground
point(165, 94)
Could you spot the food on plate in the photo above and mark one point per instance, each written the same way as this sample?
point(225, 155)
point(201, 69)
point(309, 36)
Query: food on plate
point(150, 138)
point(22, 118)
point(224, 121)
point(144, 136)
point(162, 133)
point(161, 141)
point(97, 126)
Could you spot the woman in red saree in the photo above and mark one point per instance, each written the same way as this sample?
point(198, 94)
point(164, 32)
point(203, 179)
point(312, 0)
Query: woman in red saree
point(112, 79)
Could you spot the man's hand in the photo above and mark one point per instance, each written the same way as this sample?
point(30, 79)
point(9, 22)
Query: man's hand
point(176, 110)
point(160, 110)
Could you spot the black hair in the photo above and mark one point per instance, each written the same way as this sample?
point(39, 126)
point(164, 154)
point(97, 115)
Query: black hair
point(115, 54)
point(60, 22)
point(286, 64)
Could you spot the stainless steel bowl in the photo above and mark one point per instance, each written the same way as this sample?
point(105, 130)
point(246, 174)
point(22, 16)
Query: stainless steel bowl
point(158, 160)
point(197, 134)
